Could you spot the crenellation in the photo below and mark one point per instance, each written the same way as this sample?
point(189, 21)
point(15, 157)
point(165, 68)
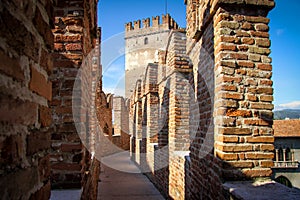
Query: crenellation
point(146, 23)
point(137, 24)
point(128, 26)
point(167, 22)
point(155, 21)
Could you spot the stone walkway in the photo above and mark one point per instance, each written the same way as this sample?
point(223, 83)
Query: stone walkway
point(128, 183)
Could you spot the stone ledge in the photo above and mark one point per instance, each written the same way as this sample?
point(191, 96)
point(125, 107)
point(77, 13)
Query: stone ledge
point(260, 190)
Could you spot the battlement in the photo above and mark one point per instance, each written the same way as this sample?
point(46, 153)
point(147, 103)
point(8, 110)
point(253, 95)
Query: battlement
point(167, 22)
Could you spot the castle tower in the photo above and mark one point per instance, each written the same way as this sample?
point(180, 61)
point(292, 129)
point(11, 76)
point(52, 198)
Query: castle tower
point(143, 41)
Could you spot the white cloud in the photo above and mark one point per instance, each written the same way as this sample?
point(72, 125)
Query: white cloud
point(279, 32)
point(290, 105)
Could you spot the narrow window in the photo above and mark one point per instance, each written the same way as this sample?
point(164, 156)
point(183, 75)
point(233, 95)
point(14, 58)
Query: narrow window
point(146, 41)
point(288, 154)
point(280, 154)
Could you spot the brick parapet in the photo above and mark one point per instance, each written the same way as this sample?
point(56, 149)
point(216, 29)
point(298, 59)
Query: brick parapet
point(243, 73)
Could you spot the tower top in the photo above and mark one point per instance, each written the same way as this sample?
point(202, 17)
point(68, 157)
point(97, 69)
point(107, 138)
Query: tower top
point(167, 23)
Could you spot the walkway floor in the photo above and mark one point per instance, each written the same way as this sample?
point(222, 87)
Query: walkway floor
point(128, 183)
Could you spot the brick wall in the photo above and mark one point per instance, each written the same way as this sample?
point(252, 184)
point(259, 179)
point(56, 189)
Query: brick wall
point(216, 116)
point(75, 34)
point(25, 54)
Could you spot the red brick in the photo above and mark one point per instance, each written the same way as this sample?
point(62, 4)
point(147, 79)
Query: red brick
point(259, 105)
point(233, 147)
point(267, 147)
point(247, 26)
point(266, 163)
point(266, 67)
point(234, 131)
point(232, 95)
point(257, 19)
point(263, 42)
point(44, 168)
point(227, 156)
point(45, 116)
point(266, 98)
point(59, 47)
point(238, 113)
point(71, 147)
point(257, 122)
point(74, 47)
point(259, 34)
point(248, 64)
point(40, 85)
point(228, 139)
point(259, 155)
point(261, 27)
point(247, 40)
point(260, 139)
point(63, 110)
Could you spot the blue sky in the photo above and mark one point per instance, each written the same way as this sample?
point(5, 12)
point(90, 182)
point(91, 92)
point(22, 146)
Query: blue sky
point(284, 32)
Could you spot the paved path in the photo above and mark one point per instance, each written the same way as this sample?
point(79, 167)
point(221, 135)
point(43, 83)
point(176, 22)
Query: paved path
point(126, 184)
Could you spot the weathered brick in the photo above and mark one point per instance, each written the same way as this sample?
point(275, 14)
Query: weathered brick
point(231, 95)
point(11, 67)
point(247, 40)
point(17, 111)
point(37, 141)
point(238, 113)
point(241, 164)
point(11, 150)
point(259, 105)
point(227, 156)
point(266, 163)
point(234, 147)
point(73, 47)
point(45, 116)
point(260, 139)
point(261, 27)
point(71, 147)
point(262, 66)
point(39, 84)
point(258, 155)
point(257, 19)
point(234, 131)
point(228, 139)
point(262, 42)
point(267, 147)
point(262, 172)
point(248, 64)
point(266, 98)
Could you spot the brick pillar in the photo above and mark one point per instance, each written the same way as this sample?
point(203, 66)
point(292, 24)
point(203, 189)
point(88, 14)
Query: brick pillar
point(75, 34)
point(243, 91)
point(179, 135)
